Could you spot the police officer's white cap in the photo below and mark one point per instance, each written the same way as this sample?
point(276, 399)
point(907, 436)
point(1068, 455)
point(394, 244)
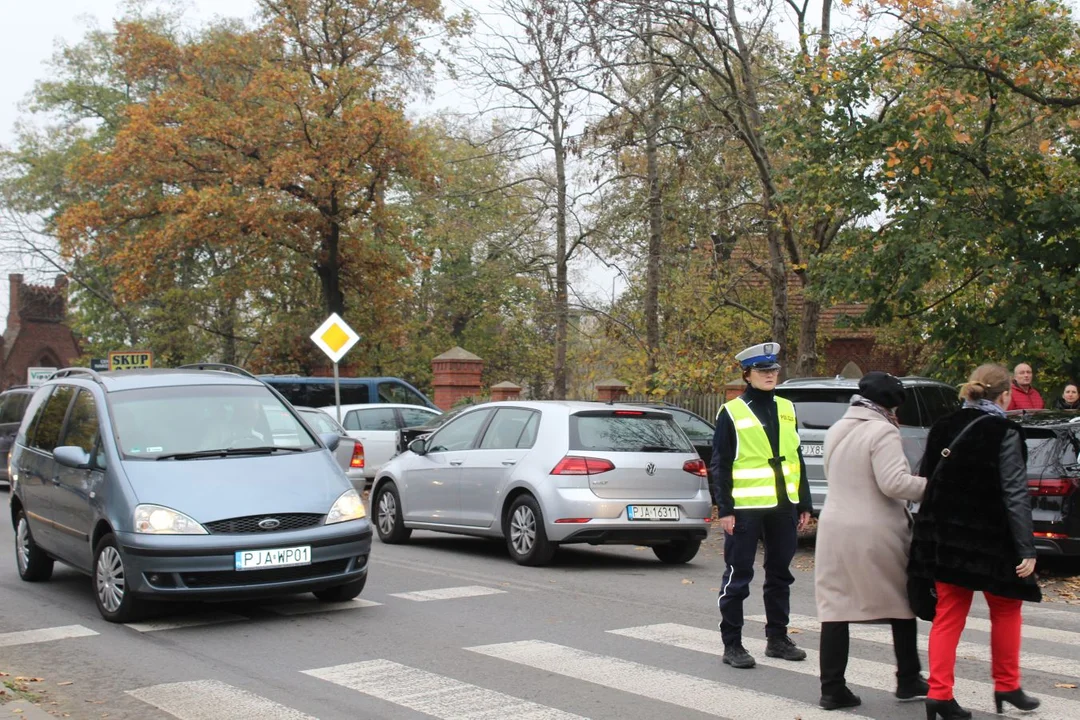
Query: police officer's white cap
point(760, 357)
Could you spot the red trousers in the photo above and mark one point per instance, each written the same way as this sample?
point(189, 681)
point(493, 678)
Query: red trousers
point(953, 604)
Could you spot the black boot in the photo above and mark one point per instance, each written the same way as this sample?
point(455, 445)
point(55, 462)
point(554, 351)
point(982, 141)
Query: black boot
point(1018, 698)
point(737, 657)
point(843, 699)
point(946, 710)
point(912, 689)
point(782, 647)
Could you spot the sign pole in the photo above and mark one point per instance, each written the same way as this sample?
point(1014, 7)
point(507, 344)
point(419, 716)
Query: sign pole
point(337, 393)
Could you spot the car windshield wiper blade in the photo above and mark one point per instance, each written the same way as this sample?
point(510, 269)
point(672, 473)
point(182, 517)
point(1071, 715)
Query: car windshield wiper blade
point(658, 448)
point(226, 452)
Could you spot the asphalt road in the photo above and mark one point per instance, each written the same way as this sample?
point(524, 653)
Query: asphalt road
point(460, 631)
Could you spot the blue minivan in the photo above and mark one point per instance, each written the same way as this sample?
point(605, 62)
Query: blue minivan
point(304, 391)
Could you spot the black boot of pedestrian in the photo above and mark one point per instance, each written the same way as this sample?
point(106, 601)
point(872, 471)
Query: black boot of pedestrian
point(782, 647)
point(737, 657)
point(1017, 698)
point(843, 699)
point(913, 689)
point(946, 710)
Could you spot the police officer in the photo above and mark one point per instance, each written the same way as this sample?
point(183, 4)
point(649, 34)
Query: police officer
point(759, 485)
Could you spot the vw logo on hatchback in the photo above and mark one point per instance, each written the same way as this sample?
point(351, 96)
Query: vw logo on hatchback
point(269, 523)
point(650, 469)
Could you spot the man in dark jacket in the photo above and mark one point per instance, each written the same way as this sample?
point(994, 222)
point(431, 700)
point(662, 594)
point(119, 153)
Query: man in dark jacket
point(760, 488)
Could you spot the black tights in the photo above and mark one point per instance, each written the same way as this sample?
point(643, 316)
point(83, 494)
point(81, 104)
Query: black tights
point(836, 643)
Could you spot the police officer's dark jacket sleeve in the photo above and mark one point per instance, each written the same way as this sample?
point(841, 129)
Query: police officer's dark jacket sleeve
point(724, 447)
point(1014, 490)
point(806, 502)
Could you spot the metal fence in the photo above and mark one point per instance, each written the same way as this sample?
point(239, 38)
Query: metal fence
point(707, 405)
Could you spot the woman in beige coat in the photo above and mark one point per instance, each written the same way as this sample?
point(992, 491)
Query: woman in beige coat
point(863, 539)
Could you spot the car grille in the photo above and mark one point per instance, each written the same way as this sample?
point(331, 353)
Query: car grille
point(225, 578)
point(250, 524)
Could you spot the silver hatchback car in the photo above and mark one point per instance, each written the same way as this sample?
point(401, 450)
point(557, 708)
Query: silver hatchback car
point(543, 474)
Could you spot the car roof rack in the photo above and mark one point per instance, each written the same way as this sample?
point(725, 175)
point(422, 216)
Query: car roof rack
point(68, 372)
point(224, 367)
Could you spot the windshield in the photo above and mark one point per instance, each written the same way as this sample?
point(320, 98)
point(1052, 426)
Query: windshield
point(152, 422)
point(818, 409)
point(321, 422)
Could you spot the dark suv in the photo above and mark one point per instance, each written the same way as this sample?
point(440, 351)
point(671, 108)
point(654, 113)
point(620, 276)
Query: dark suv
point(820, 402)
point(1053, 440)
point(13, 404)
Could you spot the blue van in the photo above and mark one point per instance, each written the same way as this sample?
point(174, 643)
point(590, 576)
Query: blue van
point(319, 391)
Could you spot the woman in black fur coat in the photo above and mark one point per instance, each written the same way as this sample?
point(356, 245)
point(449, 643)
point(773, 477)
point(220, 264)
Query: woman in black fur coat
point(973, 533)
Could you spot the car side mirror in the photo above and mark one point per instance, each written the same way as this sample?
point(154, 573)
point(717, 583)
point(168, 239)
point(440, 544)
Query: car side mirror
point(72, 456)
point(330, 440)
point(418, 446)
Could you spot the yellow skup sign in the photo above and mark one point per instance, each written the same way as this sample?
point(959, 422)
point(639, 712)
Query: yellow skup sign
point(134, 360)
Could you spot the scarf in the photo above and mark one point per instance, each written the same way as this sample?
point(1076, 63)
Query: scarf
point(986, 406)
point(859, 401)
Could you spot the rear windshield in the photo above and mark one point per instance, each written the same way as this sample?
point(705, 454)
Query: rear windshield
point(162, 421)
point(818, 409)
point(1050, 452)
point(639, 432)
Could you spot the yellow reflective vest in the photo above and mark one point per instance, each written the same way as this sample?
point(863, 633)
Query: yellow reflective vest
point(753, 480)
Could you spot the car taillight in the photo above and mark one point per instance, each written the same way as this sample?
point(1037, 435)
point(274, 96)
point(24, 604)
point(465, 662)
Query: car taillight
point(357, 455)
point(573, 465)
point(1052, 486)
point(629, 413)
point(1051, 536)
point(696, 467)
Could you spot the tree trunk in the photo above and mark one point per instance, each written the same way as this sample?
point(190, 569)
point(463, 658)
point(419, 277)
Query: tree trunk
point(652, 270)
point(228, 330)
point(562, 310)
point(807, 362)
point(328, 267)
point(779, 287)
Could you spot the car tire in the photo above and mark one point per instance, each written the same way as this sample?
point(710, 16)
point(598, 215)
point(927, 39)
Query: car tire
point(111, 590)
point(341, 593)
point(389, 522)
point(33, 563)
point(678, 552)
point(526, 538)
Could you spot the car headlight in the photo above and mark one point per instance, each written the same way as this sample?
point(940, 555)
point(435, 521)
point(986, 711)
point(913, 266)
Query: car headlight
point(347, 507)
point(158, 520)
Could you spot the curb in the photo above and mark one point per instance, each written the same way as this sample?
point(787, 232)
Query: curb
point(24, 709)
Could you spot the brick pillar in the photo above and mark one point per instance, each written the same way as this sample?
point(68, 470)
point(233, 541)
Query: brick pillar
point(505, 391)
point(457, 375)
point(610, 390)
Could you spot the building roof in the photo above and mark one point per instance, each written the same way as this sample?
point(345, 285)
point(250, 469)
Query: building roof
point(458, 353)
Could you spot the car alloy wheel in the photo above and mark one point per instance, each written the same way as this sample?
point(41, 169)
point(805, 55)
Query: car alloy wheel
point(523, 529)
point(387, 513)
point(23, 546)
point(110, 580)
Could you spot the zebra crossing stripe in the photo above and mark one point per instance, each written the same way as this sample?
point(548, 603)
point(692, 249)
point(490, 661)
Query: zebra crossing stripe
point(432, 694)
point(312, 607)
point(28, 637)
point(1033, 632)
point(864, 673)
point(213, 700)
point(451, 593)
point(974, 651)
point(686, 691)
point(189, 622)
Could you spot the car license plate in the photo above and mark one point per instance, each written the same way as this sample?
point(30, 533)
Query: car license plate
point(273, 558)
point(652, 512)
point(813, 450)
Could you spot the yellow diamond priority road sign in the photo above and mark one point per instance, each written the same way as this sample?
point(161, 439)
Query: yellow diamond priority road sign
point(334, 337)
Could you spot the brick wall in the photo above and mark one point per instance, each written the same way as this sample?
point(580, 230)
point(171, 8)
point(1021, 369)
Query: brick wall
point(36, 335)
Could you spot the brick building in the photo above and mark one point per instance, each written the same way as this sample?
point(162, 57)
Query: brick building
point(36, 335)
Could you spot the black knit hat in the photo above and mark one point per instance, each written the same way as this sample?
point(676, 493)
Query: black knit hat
point(882, 388)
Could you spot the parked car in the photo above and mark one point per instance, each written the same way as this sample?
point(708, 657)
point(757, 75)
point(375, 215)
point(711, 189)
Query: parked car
point(349, 453)
point(1053, 441)
point(13, 403)
point(376, 428)
point(319, 391)
point(543, 474)
point(173, 485)
point(697, 429)
point(820, 402)
point(407, 434)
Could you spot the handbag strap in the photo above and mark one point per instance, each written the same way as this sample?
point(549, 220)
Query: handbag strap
point(946, 452)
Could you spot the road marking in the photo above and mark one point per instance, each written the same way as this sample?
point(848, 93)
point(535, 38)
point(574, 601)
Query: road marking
point(213, 700)
point(864, 673)
point(306, 607)
point(28, 637)
point(686, 691)
point(1033, 632)
point(432, 694)
point(974, 651)
point(188, 622)
point(451, 593)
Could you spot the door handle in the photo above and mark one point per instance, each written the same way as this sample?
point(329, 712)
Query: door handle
point(508, 463)
point(455, 463)
point(56, 480)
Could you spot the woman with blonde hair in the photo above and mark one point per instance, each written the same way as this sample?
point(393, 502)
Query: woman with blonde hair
point(973, 533)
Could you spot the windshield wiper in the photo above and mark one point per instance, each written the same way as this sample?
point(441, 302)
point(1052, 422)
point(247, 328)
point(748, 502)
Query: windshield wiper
point(660, 448)
point(227, 452)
